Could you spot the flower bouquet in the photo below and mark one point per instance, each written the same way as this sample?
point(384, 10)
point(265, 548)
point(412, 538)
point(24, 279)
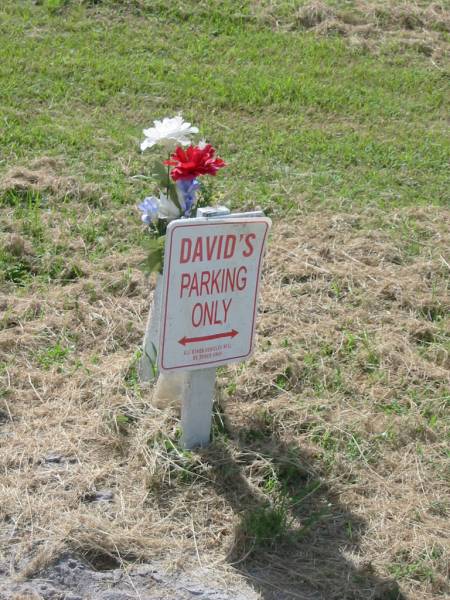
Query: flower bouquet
point(180, 190)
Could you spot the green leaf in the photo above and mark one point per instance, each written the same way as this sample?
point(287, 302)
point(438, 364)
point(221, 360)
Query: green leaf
point(155, 257)
point(174, 196)
point(165, 183)
point(159, 172)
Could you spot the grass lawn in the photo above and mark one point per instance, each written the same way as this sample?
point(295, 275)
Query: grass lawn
point(326, 477)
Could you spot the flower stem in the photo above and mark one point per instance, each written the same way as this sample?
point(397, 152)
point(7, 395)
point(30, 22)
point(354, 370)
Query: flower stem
point(168, 177)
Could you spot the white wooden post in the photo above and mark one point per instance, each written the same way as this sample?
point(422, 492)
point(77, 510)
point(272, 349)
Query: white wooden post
point(196, 408)
point(148, 362)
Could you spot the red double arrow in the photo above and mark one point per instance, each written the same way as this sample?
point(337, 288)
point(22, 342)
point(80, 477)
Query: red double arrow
point(185, 340)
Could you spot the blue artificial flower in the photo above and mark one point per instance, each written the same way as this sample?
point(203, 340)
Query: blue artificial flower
point(149, 207)
point(187, 190)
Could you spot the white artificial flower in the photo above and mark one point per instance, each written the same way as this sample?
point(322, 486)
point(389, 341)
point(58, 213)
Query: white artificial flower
point(168, 133)
point(167, 209)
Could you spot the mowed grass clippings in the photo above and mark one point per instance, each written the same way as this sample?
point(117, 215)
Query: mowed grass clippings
point(422, 26)
point(326, 476)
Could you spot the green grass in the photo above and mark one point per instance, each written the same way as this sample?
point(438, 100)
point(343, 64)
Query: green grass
point(265, 525)
point(319, 122)
point(54, 355)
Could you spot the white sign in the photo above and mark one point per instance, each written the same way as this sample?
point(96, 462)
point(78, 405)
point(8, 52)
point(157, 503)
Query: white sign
point(212, 269)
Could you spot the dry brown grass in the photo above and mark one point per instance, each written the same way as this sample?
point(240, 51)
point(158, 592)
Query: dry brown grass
point(44, 176)
point(422, 25)
point(336, 426)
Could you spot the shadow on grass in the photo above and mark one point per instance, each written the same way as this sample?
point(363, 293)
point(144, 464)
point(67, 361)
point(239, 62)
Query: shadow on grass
point(292, 533)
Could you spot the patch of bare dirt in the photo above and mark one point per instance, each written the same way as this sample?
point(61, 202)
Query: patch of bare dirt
point(109, 579)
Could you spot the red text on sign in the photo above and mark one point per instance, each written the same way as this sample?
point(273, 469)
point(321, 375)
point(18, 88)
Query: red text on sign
point(210, 313)
point(215, 247)
point(215, 281)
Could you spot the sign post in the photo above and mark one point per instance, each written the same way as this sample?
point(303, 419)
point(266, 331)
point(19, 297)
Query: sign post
point(148, 364)
point(212, 271)
point(196, 407)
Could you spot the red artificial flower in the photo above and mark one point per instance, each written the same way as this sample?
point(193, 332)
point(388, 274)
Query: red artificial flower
point(194, 161)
